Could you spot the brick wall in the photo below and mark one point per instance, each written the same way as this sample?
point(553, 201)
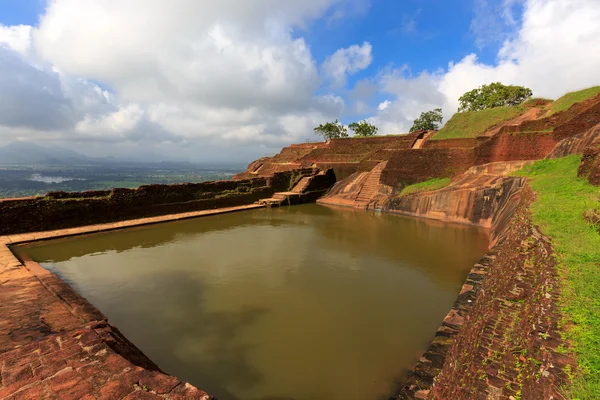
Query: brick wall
point(63, 210)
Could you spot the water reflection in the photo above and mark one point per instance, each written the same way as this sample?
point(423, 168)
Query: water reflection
point(306, 302)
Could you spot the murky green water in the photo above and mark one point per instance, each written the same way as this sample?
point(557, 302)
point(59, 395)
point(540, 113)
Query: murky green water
point(306, 302)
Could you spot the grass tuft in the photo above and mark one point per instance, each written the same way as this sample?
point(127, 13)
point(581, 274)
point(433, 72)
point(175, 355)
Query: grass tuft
point(561, 200)
point(432, 184)
point(474, 123)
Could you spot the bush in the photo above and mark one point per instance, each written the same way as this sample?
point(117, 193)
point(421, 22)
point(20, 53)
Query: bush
point(363, 129)
point(428, 121)
point(331, 130)
point(493, 95)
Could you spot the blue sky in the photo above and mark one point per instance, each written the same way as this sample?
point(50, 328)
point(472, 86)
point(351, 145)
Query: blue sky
point(196, 79)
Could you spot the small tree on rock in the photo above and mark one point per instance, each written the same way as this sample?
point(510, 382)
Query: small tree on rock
point(331, 130)
point(428, 121)
point(493, 95)
point(363, 129)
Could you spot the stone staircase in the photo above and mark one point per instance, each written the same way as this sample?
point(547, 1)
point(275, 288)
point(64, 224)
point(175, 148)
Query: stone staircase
point(419, 142)
point(277, 200)
point(370, 186)
point(282, 198)
point(301, 185)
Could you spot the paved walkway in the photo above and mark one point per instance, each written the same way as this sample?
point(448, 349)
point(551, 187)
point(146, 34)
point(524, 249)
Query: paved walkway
point(54, 344)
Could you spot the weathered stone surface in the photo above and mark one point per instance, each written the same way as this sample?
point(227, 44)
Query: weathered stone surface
point(493, 350)
point(56, 345)
point(59, 210)
point(590, 164)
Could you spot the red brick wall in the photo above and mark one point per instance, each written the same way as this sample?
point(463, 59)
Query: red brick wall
point(450, 143)
point(412, 166)
point(513, 147)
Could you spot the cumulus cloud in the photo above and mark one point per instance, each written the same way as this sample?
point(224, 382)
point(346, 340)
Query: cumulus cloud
point(347, 61)
point(556, 50)
point(179, 70)
point(200, 78)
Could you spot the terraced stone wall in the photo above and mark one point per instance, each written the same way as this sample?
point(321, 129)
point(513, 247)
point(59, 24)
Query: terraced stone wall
point(406, 167)
point(64, 210)
point(514, 147)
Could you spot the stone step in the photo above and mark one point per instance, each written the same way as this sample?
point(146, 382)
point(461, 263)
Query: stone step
point(301, 185)
point(370, 186)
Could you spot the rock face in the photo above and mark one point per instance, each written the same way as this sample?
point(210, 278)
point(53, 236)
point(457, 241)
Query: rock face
point(590, 164)
point(576, 144)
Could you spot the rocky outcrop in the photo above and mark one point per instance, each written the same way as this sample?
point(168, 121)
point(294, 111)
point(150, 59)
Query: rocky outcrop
point(576, 144)
point(590, 164)
point(478, 201)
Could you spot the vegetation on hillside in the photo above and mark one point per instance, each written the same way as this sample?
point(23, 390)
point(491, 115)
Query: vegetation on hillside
point(566, 101)
point(492, 96)
point(331, 130)
point(428, 121)
point(363, 129)
point(562, 198)
point(473, 123)
point(431, 184)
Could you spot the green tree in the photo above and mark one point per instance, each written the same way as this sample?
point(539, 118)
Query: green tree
point(428, 121)
point(331, 130)
point(493, 95)
point(363, 129)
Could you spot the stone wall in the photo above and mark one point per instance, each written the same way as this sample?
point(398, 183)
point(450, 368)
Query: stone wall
point(487, 346)
point(512, 147)
point(63, 210)
point(406, 167)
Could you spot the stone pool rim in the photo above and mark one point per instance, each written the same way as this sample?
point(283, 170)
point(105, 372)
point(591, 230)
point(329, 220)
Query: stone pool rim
point(10, 261)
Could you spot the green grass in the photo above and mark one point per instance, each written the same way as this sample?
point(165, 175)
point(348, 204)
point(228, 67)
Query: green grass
point(562, 198)
point(569, 99)
point(432, 184)
point(473, 124)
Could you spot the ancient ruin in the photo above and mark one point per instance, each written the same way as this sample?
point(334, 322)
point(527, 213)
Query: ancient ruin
point(54, 343)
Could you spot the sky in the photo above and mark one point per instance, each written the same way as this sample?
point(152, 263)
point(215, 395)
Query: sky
point(235, 80)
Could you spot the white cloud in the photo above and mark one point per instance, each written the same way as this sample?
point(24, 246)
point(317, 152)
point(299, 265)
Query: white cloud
point(347, 61)
point(16, 37)
point(556, 50)
point(202, 78)
point(184, 70)
point(382, 106)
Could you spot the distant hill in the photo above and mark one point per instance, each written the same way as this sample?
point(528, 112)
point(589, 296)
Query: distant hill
point(30, 153)
point(27, 153)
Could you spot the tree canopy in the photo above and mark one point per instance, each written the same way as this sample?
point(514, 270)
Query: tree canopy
point(363, 129)
point(428, 121)
point(331, 130)
point(493, 95)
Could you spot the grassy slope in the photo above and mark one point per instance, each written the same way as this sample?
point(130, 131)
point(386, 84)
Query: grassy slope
point(561, 200)
point(432, 184)
point(569, 99)
point(473, 124)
